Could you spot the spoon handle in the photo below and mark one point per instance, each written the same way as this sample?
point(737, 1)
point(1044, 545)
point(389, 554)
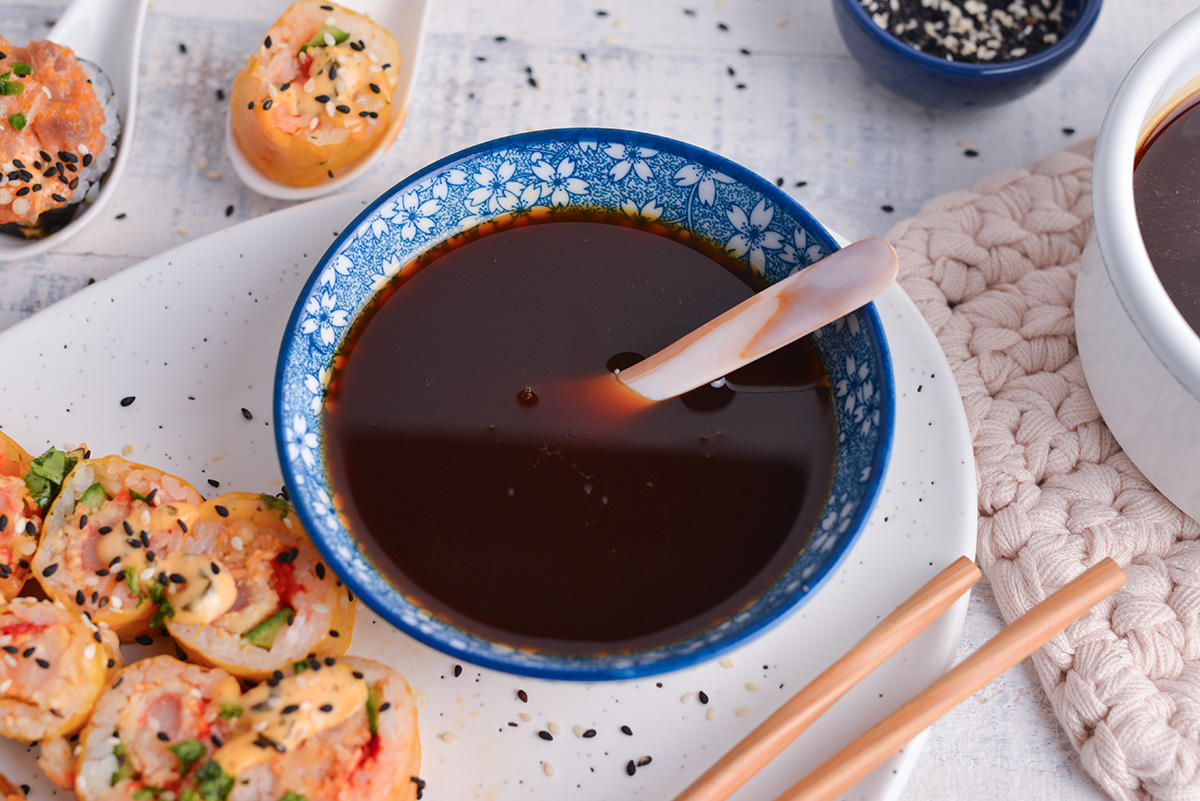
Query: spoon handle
point(783, 312)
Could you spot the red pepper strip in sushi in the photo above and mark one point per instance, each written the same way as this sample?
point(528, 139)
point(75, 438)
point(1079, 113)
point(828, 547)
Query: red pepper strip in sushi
point(250, 593)
point(316, 96)
point(20, 518)
point(112, 521)
point(55, 135)
point(53, 667)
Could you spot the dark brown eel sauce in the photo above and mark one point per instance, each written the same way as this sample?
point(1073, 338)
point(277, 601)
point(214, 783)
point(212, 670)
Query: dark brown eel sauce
point(486, 484)
point(1166, 193)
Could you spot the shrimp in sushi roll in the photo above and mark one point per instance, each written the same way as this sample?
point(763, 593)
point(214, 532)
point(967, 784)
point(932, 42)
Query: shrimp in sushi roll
point(112, 522)
point(54, 666)
point(250, 593)
point(58, 129)
point(317, 94)
point(154, 729)
point(20, 518)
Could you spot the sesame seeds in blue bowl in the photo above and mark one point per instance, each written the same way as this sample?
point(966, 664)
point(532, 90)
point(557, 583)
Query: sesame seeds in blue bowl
point(636, 179)
point(954, 54)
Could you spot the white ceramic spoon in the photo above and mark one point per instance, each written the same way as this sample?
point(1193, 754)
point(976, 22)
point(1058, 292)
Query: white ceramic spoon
point(107, 33)
point(766, 321)
point(403, 19)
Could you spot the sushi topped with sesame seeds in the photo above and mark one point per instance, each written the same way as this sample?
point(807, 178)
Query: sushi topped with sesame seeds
point(111, 525)
point(54, 664)
point(20, 518)
point(316, 96)
point(58, 134)
point(250, 593)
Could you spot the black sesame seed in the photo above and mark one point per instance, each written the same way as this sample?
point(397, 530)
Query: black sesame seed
point(162, 735)
point(30, 529)
point(5, 570)
point(545, 735)
point(24, 190)
point(267, 105)
point(601, 13)
point(177, 578)
point(128, 399)
point(320, 570)
point(644, 761)
point(222, 511)
point(887, 207)
point(182, 526)
point(12, 649)
point(357, 675)
point(334, 633)
point(80, 598)
point(121, 216)
point(212, 482)
point(970, 153)
point(87, 159)
point(220, 94)
point(333, 72)
point(112, 663)
point(283, 87)
point(144, 639)
point(49, 571)
point(326, 707)
point(104, 529)
point(96, 636)
point(288, 556)
point(21, 563)
point(524, 696)
point(627, 730)
point(630, 767)
point(343, 108)
point(385, 706)
point(322, 98)
point(250, 105)
point(532, 81)
point(145, 538)
point(290, 709)
point(703, 696)
point(28, 652)
point(589, 733)
point(217, 741)
point(457, 671)
point(267, 43)
point(214, 567)
point(721, 26)
point(42, 663)
point(102, 572)
point(182, 47)
point(117, 683)
point(83, 521)
point(68, 157)
point(1069, 131)
point(501, 38)
point(263, 742)
point(150, 496)
point(374, 88)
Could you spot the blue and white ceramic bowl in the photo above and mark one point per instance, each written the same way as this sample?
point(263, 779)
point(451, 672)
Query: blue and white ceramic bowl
point(641, 175)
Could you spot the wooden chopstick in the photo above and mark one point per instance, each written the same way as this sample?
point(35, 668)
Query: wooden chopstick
point(1015, 642)
point(774, 734)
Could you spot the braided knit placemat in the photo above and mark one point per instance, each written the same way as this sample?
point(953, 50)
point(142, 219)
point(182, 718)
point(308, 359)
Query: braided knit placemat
point(993, 272)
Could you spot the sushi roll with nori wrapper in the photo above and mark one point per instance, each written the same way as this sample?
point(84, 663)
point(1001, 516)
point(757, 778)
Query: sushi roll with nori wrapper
point(249, 593)
point(20, 518)
point(154, 730)
point(316, 95)
point(58, 136)
point(111, 524)
point(55, 664)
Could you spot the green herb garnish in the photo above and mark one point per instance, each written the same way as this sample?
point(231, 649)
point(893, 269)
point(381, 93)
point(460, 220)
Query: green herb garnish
point(132, 582)
point(21, 69)
point(278, 504)
point(189, 752)
point(47, 473)
point(124, 769)
point(11, 88)
point(318, 39)
point(300, 667)
point(292, 795)
point(373, 710)
point(263, 635)
point(213, 783)
point(147, 793)
point(17, 121)
point(137, 496)
point(230, 711)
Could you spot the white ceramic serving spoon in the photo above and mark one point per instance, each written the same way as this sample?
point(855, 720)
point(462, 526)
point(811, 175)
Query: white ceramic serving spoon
point(766, 321)
point(403, 19)
point(107, 33)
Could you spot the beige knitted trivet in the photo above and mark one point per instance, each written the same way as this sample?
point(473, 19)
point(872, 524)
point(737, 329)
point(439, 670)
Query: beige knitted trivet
point(993, 272)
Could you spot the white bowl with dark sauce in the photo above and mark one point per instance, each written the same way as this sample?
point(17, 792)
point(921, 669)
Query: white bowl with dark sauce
point(1139, 352)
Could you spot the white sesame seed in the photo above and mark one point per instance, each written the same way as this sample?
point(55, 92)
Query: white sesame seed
point(371, 56)
point(743, 711)
point(329, 40)
point(236, 542)
point(20, 207)
point(116, 602)
point(312, 126)
point(329, 108)
point(332, 22)
point(554, 728)
point(91, 581)
point(320, 609)
point(686, 698)
point(90, 651)
point(309, 85)
point(261, 725)
point(46, 90)
point(146, 574)
point(578, 730)
point(4, 685)
point(711, 713)
point(78, 749)
point(340, 86)
point(525, 716)
point(753, 686)
point(272, 91)
point(726, 662)
point(449, 737)
point(374, 68)
point(550, 769)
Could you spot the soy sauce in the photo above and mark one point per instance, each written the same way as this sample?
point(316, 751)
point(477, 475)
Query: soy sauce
point(491, 485)
point(1166, 192)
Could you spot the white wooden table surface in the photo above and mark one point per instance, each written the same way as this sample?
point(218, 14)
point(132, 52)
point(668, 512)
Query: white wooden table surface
point(795, 107)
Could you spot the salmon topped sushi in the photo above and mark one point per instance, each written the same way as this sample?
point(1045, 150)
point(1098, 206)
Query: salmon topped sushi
point(57, 132)
point(317, 95)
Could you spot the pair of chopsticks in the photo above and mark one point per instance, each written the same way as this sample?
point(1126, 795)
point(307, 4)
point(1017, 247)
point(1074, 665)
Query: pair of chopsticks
point(841, 771)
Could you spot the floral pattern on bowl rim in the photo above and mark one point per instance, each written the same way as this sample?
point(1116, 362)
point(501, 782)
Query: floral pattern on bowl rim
point(643, 176)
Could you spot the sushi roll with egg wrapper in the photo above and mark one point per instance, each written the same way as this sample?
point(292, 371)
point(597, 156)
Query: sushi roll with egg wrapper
point(252, 595)
point(316, 95)
point(329, 730)
point(111, 525)
point(58, 136)
point(54, 665)
point(155, 726)
point(20, 518)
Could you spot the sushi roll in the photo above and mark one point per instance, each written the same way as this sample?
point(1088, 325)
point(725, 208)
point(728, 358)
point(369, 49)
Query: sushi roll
point(279, 604)
point(111, 522)
point(154, 729)
point(316, 97)
point(20, 518)
point(54, 666)
point(345, 732)
point(58, 134)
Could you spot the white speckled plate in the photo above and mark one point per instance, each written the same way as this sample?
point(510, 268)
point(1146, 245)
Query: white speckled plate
point(192, 335)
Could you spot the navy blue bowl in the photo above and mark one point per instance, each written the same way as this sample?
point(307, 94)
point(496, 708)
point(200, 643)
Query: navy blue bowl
point(670, 182)
point(938, 83)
